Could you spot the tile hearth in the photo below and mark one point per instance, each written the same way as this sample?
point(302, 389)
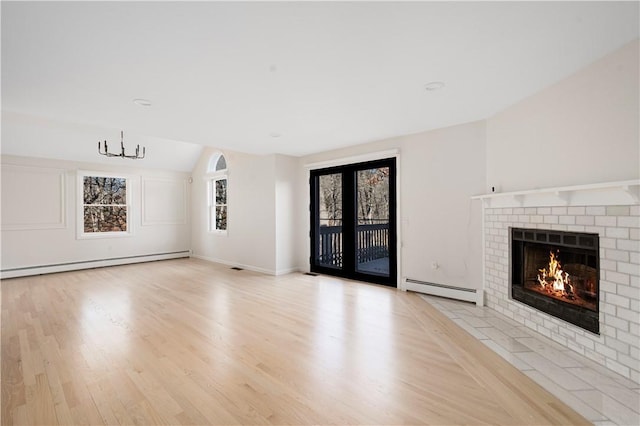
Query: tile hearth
point(600, 395)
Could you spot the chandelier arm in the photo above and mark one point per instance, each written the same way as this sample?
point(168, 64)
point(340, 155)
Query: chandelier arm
point(122, 153)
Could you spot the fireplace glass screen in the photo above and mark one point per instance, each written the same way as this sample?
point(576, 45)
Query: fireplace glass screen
point(557, 273)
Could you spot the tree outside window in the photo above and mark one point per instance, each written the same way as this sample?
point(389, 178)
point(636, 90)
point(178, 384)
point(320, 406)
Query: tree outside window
point(218, 192)
point(220, 188)
point(105, 206)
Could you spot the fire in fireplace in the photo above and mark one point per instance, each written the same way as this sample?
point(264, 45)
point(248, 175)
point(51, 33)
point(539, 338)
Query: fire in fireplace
point(573, 283)
point(557, 273)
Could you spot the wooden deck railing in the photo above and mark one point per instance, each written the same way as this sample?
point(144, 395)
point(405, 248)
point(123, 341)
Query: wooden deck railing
point(330, 253)
point(372, 242)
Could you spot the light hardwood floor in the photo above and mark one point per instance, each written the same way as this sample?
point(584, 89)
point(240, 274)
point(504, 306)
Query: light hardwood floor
point(190, 342)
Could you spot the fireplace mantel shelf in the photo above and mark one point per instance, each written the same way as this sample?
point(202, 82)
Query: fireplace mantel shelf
point(607, 193)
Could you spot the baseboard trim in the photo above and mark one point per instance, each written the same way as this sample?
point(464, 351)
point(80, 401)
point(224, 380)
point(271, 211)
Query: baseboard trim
point(88, 264)
point(240, 265)
point(287, 271)
point(448, 291)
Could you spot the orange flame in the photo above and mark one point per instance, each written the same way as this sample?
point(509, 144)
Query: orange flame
point(555, 278)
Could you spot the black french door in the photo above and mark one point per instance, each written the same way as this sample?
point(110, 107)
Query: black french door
point(353, 221)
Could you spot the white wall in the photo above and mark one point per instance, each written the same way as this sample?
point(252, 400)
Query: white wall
point(438, 172)
point(40, 213)
point(250, 239)
point(287, 228)
point(584, 129)
point(441, 171)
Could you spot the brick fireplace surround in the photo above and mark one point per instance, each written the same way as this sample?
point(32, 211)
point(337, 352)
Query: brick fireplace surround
point(618, 225)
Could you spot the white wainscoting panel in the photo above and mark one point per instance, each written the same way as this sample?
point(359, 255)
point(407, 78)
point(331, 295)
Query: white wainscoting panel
point(164, 201)
point(32, 198)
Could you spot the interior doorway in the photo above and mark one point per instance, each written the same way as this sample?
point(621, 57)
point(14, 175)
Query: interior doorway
point(353, 221)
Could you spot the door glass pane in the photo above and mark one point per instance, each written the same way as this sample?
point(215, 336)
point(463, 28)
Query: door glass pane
point(372, 221)
point(329, 237)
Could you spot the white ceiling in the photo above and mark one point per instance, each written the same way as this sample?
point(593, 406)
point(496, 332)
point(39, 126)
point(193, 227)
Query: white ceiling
point(321, 75)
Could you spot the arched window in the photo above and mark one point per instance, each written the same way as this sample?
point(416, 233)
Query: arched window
point(217, 193)
point(217, 163)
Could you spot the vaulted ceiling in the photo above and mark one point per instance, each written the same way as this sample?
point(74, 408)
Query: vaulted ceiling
point(293, 77)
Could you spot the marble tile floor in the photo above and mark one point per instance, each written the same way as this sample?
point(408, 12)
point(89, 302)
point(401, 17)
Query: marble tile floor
point(600, 395)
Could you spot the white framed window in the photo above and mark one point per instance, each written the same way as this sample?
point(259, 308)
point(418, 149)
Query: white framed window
point(218, 205)
point(104, 205)
point(218, 189)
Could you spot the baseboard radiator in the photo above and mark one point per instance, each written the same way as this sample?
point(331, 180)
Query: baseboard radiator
point(448, 291)
point(88, 264)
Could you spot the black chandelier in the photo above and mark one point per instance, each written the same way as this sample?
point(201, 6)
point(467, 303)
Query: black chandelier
point(122, 154)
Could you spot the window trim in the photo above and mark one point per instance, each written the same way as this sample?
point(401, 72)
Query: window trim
point(211, 177)
point(213, 164)
point(80, 234)
point(211, 203)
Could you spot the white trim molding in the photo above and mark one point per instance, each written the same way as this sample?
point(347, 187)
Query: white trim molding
point(606, 193)
point(241, 265)
point(379, 155)
point(88, 264)
point(450, 292)
point(57, 175)
point(143, 202)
